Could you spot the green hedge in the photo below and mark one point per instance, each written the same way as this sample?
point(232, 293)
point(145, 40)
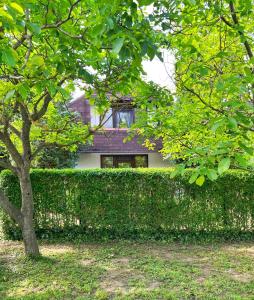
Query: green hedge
point(133, 203)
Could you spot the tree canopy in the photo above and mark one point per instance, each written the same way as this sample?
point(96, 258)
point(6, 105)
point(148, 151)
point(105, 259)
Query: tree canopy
point(46, 47)
point(208, 122)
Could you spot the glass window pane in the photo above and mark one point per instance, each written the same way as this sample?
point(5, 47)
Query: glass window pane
point(141, 161)
point(123, 119)
point(107, 162)
point(124, 164)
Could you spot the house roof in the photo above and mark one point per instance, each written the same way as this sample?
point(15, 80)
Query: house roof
point(113, 141)
point(109, 140)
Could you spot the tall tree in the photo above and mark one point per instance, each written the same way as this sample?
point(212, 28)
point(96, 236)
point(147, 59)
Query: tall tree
point(208, 121)
point(44, 47)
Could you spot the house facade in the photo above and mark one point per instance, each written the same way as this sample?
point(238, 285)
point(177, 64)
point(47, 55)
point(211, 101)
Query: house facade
point(109, 148)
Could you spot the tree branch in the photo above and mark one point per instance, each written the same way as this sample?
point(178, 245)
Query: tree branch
point(10, 209)
point(58, 24)
point(203, 101)
point(21, 41)
point(236, 22)
point(15, 130)
point(25, 133)
point(47, 98)
point(30, 45)
point(5, 138)
point(6, 164)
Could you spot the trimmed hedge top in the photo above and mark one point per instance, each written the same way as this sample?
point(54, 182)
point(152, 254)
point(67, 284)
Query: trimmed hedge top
point(134, 200)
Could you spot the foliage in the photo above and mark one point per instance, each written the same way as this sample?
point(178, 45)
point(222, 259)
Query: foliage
point(55, 157)
point(118, 203)
point(45, 48)
point(208, 121)
point(124, 270)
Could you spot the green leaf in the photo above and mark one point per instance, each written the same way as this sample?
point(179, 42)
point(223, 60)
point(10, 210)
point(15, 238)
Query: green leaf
point(151, 51)
point(200, 180)
point(5, 14)
point(35, 28)
point(217, 125)
point(193, 177)
point(117, 45)
point(9, 95)
point(99, 29)
point(84, 74)
point(17, 7)
point(9, 57)
point(36, 61)
point(144, 46)
point(60, 67)
point(110, 23)
point(232, 123)
point(174, 173)
point(223, 165)
point(23, 90)
point(203, 71)
point(124, 53)
point(243, 162)
point(180, 169)
point(145, 2)
point(247, 149)
point(243, 118)
point(212, 174)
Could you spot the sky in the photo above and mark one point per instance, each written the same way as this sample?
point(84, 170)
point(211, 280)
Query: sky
point(161, 72)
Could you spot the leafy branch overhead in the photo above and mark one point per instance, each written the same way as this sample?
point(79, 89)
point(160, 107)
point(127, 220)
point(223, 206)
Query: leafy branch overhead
point(209, 125)
point(46, 47)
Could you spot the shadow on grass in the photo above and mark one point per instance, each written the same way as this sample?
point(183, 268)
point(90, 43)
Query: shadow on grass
point(126, 270)
point(5, 274)
point(57, 277)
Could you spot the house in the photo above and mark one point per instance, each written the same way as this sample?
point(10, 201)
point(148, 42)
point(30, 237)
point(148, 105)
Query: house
point(109, 148)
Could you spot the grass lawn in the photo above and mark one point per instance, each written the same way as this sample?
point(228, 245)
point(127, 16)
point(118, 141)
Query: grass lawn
point(128, 270)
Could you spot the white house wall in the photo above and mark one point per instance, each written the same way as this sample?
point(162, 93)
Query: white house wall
point(108, 120)
point(93, 160)
point(95, 118)
point(155, 160)
point(88, 161)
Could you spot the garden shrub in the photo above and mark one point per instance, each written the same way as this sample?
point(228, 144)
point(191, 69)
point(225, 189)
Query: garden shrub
point(133, 203)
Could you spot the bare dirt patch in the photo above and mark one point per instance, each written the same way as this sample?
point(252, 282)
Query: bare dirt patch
point(130, 269)
point(191, 256)
point(56, 249)
point(120, 278)
point(87, 262)
point(121, 261)
point(241, 277)
point(248, 251)
point(116, 281)
point(121, 281)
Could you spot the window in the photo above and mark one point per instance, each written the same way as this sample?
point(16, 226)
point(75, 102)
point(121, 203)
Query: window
point(124, 161)
point(141, 161)
point(123, 118)
point(107, 162)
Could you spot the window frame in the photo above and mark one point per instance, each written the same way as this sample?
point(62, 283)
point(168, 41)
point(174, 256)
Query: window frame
point(117, 158)
point(117, 110)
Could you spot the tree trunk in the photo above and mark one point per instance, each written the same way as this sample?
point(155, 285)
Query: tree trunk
point(27, 209)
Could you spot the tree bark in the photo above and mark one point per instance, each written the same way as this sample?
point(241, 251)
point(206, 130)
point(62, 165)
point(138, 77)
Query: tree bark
point(10, 209)
point(27, 210)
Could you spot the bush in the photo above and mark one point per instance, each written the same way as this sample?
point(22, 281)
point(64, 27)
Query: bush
point(54, 157)
point(133, 203)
